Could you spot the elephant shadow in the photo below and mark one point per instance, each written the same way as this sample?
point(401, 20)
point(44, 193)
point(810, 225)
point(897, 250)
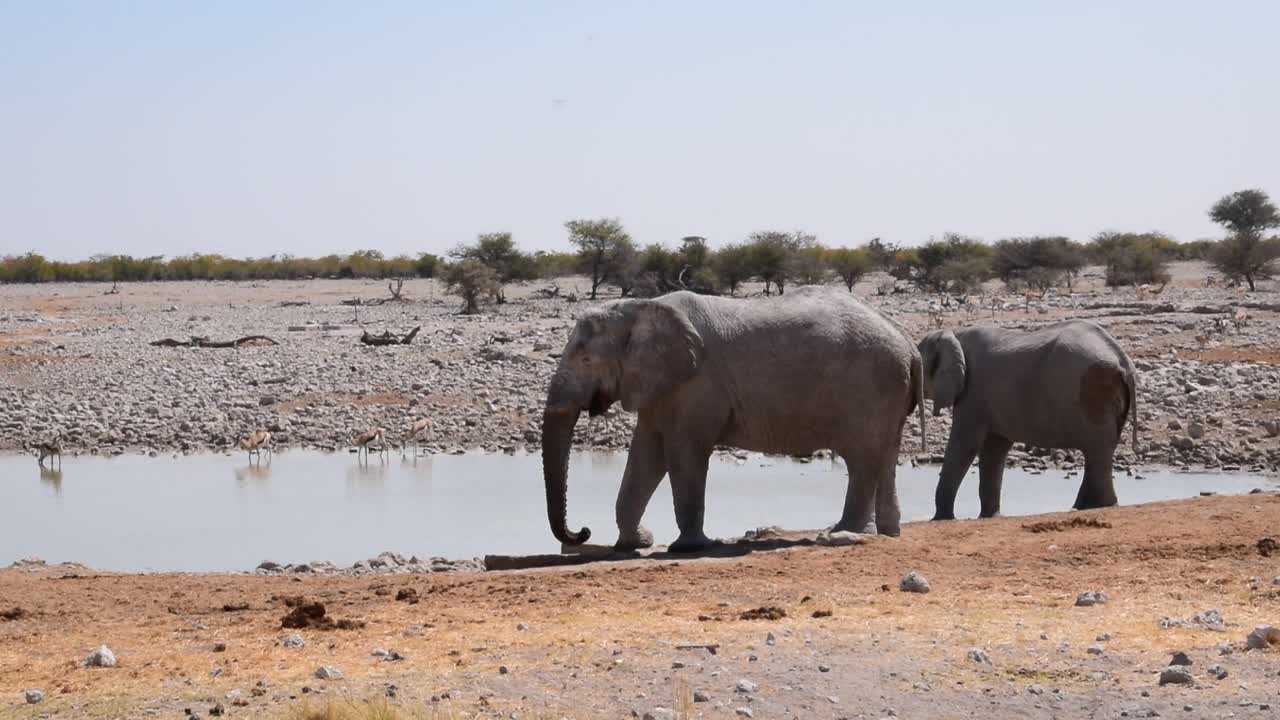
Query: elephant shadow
point(584, 554)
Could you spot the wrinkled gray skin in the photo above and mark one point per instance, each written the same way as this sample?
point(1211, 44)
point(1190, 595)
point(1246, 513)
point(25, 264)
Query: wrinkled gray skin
point(814, 369)
point(1067, 385)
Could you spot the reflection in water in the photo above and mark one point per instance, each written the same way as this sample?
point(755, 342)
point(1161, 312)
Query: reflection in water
point(52, 478)
point(257, 472)
point(367, 478)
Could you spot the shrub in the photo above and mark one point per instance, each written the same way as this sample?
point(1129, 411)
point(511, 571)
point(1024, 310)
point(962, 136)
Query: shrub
point(1132, 258)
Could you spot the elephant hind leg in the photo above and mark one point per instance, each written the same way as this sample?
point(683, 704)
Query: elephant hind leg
point(995, 449)
point(872, 491)
point(688, 468)
point(1098, 489)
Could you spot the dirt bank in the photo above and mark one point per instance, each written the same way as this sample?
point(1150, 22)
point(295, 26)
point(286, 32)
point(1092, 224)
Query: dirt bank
point(602, 640)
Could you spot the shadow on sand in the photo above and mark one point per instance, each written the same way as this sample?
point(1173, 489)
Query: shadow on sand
point(581, 555)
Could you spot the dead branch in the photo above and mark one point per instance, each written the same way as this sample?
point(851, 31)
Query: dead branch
point(203, 342)
point(389, 338)
point(293, 303)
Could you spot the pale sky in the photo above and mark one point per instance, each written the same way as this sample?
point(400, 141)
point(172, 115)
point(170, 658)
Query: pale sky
point(252, 128)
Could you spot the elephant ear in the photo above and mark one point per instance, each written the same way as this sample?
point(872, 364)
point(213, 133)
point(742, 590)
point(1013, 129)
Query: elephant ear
point(662, 351)
point(946, 368)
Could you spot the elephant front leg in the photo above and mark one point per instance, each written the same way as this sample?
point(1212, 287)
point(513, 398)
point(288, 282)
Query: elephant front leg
point(646, 466)
point(962, 448)
point(688, 470)
point(991, 473)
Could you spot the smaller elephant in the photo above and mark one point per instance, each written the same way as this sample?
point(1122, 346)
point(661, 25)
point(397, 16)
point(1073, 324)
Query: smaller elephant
point(1067, 385)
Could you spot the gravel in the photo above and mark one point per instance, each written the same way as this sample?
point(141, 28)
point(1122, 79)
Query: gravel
point(89, 371)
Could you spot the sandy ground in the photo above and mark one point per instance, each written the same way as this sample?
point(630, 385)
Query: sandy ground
point(603, 639)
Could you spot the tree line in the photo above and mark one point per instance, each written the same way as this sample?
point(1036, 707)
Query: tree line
point(606, 254)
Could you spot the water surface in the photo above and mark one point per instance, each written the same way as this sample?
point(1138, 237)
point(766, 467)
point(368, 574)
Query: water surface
point(216, 512)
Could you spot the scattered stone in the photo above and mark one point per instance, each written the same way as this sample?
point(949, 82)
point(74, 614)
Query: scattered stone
point(744, 712)
point(328, 672)
point(913, 582)
point(1176, 675)
point(824, 668)
point(701, 697)
point(379, 653)
point(979, 656)
point(219, 647)
point(1095, 650)
point(503, 670)
point(1195, 431)
point(822, 614)
point(1103, 637)
point(660, 713)
point(1217, 672)
point(770, 639)
point(408, 595)
point(1263, 637)
point(746, 686)
point(102, 657)
point(293, 642)
point(14, 613)
point(1268, 546)
point(768, 612)
point(33, 696)
point(1204, 620)
point(521, 627)
point(1180, 658)
point(1090, 598)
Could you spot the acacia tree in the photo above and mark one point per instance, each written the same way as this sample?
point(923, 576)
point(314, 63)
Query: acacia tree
point(496, 251)
point(774, 255)
point(599, 244)
point(851, 264)
point(1245, 252)
point(732, 266)
point(471, 280)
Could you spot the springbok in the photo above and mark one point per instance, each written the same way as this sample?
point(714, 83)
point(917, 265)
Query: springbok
point(363, 440)
point(50, 449)
point(255, 442)
point(416, 429)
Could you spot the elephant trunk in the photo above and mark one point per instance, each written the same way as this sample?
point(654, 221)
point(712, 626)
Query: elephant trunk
point(557, 438)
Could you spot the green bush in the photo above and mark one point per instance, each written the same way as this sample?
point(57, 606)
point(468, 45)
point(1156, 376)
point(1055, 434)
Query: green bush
point(1132, 258)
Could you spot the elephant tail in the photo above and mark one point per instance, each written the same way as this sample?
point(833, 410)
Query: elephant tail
point(917, 390)
point(1132, 382)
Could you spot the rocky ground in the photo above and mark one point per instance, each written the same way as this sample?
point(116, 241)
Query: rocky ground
point(1072, 615)
point(78, 361)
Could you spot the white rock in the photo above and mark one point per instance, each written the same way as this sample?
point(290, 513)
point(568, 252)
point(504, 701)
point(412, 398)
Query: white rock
point(327, 672)
point(913, 582)
point(840, 538)
point(33, 696)
point(102, 657)
point(746, 686)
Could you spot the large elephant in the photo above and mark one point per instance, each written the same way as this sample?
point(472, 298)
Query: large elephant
point(811, 370)
point(1066, 385)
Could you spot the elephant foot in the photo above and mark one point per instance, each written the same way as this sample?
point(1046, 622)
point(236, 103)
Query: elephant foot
point(944, 516)
point(864, 529)
point(690, 543)
point(889, 530)
point(640, 539)
point(994, 514)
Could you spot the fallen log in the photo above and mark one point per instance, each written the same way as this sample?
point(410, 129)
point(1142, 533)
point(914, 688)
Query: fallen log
point(388, 338)
point(203, 342)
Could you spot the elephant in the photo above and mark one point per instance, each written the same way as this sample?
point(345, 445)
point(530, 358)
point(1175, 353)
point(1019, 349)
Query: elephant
point(813, 369)
point(1066, 385)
